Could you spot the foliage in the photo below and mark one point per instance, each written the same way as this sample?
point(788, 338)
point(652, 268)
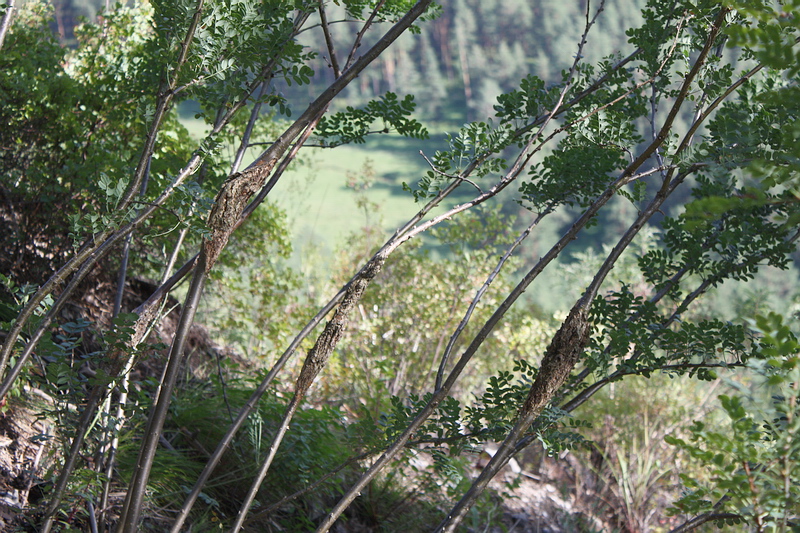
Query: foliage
point(430, 349)
point(66, 112)
point(754, 465)
point(230, 46)
point(477, 143)
point(320, 444)
point(353, 125)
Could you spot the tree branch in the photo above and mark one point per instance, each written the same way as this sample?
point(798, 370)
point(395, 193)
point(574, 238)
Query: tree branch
point(328, 40)
point(362, 31)
point(481, 291)
point(5, 23)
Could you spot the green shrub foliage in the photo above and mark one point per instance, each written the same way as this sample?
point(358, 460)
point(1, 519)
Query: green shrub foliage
point(653, 161)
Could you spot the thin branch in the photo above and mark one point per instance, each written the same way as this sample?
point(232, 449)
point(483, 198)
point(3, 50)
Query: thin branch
point(481, 291)
point(113, 427)
point(328, 40)
point(281, 168)
point(347, 76)
point(5, 24)
point(315, 361)
point(333, 144)
point(91, 253)
point(28, 310)
point(702, 519)
point(330, 22)
point(446, 175)
point(583, 94)
point(620, 98)
point(266, 510)
point(716, 27)
point(248, 130)
point(129, 517)
point(94, 250)
point(710, 516)
point(652, 121)
point(627, 238)
point(71, 459)
point(163, 103)
point(362, 31)
point(702, 116)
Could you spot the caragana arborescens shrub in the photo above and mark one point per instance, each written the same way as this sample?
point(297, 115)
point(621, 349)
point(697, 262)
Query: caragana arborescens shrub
point(677, 124)
point(74, 122)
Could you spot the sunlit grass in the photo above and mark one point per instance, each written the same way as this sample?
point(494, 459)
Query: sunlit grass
point(322, 209)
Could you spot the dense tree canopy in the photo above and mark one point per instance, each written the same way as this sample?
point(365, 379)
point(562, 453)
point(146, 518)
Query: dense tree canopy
point(686, 115)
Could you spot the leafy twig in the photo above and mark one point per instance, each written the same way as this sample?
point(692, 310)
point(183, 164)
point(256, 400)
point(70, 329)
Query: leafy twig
point(450, 176)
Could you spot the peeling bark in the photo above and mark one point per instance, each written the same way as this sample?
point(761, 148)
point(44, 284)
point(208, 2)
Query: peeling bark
point(229, 205)
point(318, 355)
point(559, 360)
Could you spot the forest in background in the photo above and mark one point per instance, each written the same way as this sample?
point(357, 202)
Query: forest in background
point(465, 66)
point(457, 64)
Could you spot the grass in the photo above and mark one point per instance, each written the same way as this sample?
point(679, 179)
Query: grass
point(314, 190)
point(323, 211)
point(315, 194)
point(321, 205)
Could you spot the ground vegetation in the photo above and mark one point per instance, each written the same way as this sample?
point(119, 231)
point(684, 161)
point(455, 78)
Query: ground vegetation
point(359, 397)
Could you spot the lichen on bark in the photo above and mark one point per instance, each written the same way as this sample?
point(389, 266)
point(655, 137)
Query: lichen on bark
point(228, 207)
point(559, 359)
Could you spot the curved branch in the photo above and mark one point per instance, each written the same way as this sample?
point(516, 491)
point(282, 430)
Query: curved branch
point(315, 361)
point(163, 102)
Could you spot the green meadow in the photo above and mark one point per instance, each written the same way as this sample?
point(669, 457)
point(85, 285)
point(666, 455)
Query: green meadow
point(331, 193)
point(335, 192)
